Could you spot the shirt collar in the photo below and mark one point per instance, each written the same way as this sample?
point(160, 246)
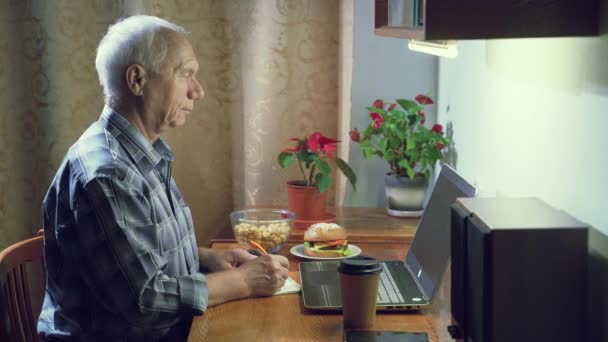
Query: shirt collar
point(146, 155)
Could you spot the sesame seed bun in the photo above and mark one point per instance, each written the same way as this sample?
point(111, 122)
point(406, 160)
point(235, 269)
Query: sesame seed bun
point(324, 232)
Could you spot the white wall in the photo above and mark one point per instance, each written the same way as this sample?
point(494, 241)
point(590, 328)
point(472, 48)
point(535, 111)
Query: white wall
point(529, 118)
point(383, 68)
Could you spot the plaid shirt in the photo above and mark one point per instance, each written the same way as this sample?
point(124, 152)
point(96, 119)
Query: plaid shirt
point(120, 251)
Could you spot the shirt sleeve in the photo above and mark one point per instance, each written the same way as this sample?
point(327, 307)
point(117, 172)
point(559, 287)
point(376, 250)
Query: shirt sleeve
point(119, 242)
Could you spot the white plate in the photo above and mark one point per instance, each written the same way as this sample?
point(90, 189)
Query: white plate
point(298, 250)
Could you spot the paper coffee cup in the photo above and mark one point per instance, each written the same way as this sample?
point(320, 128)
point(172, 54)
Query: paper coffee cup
point(359, 278)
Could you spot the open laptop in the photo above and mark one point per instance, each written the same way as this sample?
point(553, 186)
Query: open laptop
point(404, 285)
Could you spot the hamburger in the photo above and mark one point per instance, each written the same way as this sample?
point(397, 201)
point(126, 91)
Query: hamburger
point(326, 240)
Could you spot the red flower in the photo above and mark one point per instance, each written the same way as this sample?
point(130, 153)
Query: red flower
point(329, 150)
point(313, 156)
point(391, 107)
point(317, 141)
point(424, 100)
point(421, 113)
point(378, 104)
point(439, 146)
point(323, 140)
point(378, 120)
point(313, 141)
point(437, 128)
point(295, 149)
point(354, 135)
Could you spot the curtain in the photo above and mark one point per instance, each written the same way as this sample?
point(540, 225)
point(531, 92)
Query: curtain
point(271, 70)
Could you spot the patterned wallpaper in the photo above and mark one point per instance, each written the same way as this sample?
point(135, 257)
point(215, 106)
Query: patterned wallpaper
point(269, 70)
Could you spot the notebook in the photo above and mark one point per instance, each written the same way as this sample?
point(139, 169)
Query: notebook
point(405, 285)
point(290, 286)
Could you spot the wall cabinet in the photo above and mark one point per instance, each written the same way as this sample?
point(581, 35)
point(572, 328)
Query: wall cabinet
point(485, 19)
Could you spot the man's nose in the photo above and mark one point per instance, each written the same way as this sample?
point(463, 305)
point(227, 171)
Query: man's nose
point(196, 91)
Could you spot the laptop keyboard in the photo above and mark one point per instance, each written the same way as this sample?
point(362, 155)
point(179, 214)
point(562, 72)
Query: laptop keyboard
point(388, 292)
point(321, 285)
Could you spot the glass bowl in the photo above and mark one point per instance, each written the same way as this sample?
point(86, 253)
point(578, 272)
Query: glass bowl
point(270, 228)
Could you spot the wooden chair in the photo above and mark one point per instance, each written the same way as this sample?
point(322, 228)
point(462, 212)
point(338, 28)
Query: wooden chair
point(21, 267)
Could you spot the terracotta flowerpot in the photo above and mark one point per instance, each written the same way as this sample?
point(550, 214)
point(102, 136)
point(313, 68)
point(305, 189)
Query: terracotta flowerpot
point(306, 201)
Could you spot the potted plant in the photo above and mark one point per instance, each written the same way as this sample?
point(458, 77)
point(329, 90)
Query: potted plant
point(397, 134)
point(307, 197)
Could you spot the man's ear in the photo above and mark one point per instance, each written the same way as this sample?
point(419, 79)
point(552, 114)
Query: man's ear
point(136, 79)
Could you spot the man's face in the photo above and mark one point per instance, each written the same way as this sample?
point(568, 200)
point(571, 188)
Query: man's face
point(169, 95)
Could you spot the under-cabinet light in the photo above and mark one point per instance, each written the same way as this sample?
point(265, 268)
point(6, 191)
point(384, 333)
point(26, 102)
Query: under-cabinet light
point(442, 48)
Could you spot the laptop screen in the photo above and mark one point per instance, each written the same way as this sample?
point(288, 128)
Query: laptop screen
point(429, 253)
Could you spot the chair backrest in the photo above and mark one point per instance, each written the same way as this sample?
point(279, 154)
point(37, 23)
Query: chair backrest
point(17, 318)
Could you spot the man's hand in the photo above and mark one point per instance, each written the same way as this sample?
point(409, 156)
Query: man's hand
point(213, 260)
point(261, 276)
point(265, 275)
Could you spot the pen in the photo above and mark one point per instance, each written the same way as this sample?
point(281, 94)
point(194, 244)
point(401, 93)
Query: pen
point(257, 246)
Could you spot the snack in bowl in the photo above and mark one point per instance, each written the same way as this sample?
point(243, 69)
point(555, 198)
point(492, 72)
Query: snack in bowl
point(270, 228)
point(326, 240)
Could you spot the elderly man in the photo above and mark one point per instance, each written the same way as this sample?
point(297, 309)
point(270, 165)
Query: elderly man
point(121, 256)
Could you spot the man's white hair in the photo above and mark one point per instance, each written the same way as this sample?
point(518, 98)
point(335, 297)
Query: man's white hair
point(133, 40)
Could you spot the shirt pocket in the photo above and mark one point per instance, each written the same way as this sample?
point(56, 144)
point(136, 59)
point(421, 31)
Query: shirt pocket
point(190, 247)
point(140, 221)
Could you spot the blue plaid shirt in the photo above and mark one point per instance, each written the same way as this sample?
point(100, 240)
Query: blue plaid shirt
point(120, 251)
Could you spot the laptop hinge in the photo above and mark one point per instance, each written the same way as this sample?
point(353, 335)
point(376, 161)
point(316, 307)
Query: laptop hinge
point(424, 296)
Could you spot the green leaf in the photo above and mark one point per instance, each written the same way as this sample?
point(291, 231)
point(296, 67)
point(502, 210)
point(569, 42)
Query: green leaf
point(401, 133)
point(377, 110)
point(409, 105)
point(410, 172)
point(411, 144)
point(303, 154)
point(285, 159)
point(323, 166)
point(348, 172)
point(382, 144)
point(368, 152)
point(395, 142)
point(434, 154)
point(392, 127)
point(308, 158)
point(398, 115)
point(389, 155)
point(323, 181)
point(412, 119)
point(367, 149)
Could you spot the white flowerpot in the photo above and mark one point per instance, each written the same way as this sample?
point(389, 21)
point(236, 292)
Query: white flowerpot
point(405, 196)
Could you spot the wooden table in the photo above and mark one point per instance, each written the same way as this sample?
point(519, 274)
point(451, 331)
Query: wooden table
point(284, 318)
point(370, 224)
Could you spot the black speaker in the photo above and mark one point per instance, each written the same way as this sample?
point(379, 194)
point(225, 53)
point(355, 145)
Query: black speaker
point(519, 271)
